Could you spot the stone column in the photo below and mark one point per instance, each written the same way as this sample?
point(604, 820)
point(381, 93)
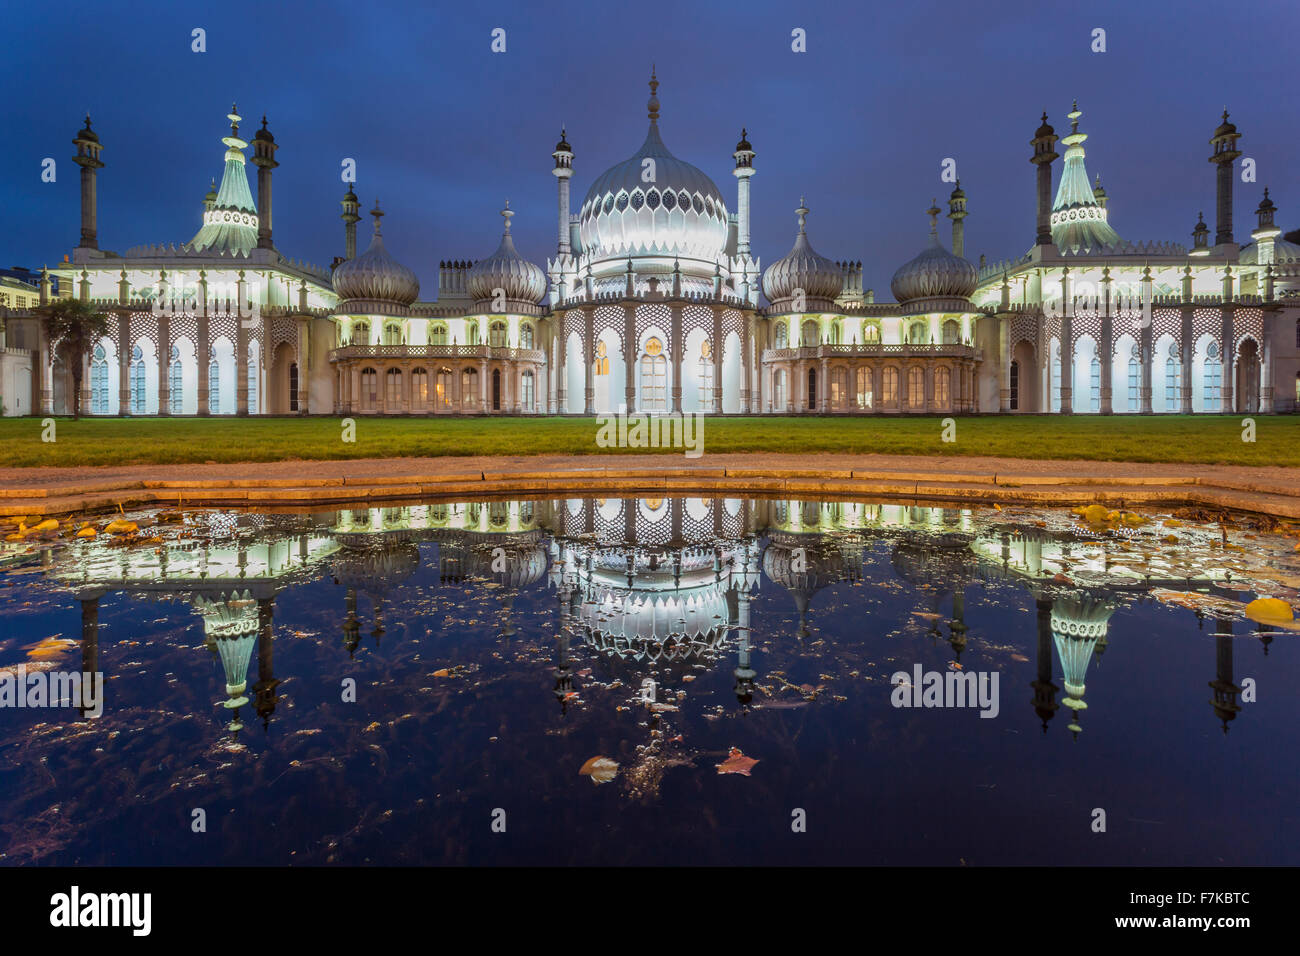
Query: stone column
point(1185, 348)
point(747, 365)
point(202, 355)
point(304, 364)
point(717, 361)
point(589, 360)
point(1228, 338)
point(124, 364)
point(629, 353)
point(1266, 364)
point(1067, 343)
point(1107, 348)
point(1004, 363)
point(164, 362)
point(675, 336)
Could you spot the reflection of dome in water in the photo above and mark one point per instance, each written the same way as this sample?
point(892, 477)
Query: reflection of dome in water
point(376, 569)
point(1079, 620)
point(944, 563)
point(512, 562)
point(804, 565)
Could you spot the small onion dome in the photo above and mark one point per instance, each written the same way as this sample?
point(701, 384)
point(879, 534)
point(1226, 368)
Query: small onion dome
point(1099, 192)
point(374, 282)
point(1200, 228)
point(1225, 128)
point(1045, 129)
point(563, 145)
point(212, 193)
point(935, 279)
point(820, 279)
point(521, 282)
point(743, 146)
point(1266, 204)
point(87, 134)
point(264, 134)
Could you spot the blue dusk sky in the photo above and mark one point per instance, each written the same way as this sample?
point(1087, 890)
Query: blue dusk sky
point(443, 129)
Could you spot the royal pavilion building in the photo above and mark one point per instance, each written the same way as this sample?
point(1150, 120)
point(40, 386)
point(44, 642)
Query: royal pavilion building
point(655, 302)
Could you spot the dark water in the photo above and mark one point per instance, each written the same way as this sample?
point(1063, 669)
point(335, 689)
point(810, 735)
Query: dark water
point(496, 647)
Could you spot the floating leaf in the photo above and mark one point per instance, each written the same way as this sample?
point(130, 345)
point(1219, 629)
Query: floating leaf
point(736, 762)
point(599, 769)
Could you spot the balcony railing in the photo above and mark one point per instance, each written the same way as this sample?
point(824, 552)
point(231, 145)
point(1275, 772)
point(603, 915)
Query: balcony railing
point(432, 352)
point(954, 350)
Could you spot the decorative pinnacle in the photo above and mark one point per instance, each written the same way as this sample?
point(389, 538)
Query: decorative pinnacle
point(506, 214)
point(802, 213)
point(653, 104)
point(378, 214)
point(234, 118)
point(1074, 115)
point(933, 213)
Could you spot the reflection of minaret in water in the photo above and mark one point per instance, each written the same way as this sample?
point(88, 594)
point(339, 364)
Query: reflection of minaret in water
point(745, 674)
point(1079, 621)
point(264, 690)
point(352, 625)
point(1045, 705)
point(565, 590)
point(1224, 700)
point(89, 649)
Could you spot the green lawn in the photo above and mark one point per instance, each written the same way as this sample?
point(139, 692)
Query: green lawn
point(1165, 438)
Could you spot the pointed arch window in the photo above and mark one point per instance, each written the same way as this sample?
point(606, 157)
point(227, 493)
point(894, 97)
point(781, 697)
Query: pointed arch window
point(871, 333)
point(497, 335)
point(706, 376)
point(138, 381)
point(527, 396)
point(654, 376)
point(438, 334)
point(252, 383)
point(469, 388)
point(175, 383)
point(1213, 377)
point(1173, 380)
point(360, 333)
point(214, 386)
point(99, 382)
point(1094, 384)
point(779, 338)
point(526, 335)
point(602, 358)
point(392, 333)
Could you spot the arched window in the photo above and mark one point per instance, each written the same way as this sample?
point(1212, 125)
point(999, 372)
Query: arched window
point(471, 333)
point(442, 389)
point(706, 376)
point(1054, 379)
point(99, 382)
point(951, 332)
point(1134, 382)
point(496, 390)
point(360, 333)
point(779, 391)
point(864, 383)
point(811, 337)
point(392, 333)
point(469, 388)
point(438, 334)
point(837, 334)
point(871, 333)
point(839, 387)
point(1015, 385)
point(393, 390)
point(915, 388)
point(942, 388)
point(419, 389)
point(527, 397)
point(1094, 384)
point(214, 387)
point(602, 358)
point(497, 335)
point(654, 376)
point(917, 334)
point(137, 381)
point(175, 383)
point(779, 339)
point(889, 387)
point(1173, 381)
point(526, 336)
point(1213, 378)
point(369, 389)
point(293, 386)
point(252, 383)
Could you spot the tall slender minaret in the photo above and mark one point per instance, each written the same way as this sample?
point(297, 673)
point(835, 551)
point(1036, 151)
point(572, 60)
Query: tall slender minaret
point(1043, 141)
point(264, 159)
point(1225, 153)
point(351, 216)
point(563, 173)
point(87, 158)
point(744, 156)
point(957, 212)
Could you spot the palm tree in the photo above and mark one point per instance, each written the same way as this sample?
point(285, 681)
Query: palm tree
point(73, 328)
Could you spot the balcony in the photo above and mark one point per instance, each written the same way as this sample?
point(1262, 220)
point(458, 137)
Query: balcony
point(431, 353)
point(827, 351)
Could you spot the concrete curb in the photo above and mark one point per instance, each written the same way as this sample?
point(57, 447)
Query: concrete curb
point(1266, 497)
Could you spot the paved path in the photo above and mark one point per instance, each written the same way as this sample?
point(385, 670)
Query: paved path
point(1273, 490)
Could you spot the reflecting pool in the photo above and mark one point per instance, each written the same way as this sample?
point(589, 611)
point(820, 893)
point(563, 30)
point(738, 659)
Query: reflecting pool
point(651, 680)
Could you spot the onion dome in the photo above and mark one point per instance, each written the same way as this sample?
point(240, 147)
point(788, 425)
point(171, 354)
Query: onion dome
point(935, 280)
point(820, 279)
point(743, 146)
point(680, 213)
point(376, 570)
point(89, 136)
point(522, 283)
point(374, 282)
point(230, 223)
point(211, 195)
point(1226, 128)
point(264, 134)
point(563, 145)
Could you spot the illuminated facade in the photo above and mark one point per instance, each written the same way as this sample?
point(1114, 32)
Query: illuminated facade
point(655, 302)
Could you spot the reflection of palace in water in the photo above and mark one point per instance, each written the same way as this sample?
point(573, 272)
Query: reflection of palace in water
point(650, 584)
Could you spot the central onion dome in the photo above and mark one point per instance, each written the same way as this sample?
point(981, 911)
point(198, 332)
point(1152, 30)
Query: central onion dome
point(374, 282)
point(802, 268)
point(935, 280)
point(679, 213)
point(521, 282)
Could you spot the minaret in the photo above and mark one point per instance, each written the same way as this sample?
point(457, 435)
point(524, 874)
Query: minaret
point(1267, 231)
point(1225, 688)
point(744, 156)
point(264, 690)
point(1099, 192)
point(563, 172)
point(957, 212)
point(87, 158)
point(264, 159)
point(1043, 141)
point(351, 216)
point(1200, 237)
point(1225, 153)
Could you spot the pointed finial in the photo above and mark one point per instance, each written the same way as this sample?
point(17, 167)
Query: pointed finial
point(378, 214)
point(506, 214)
point(933, 213)
point(802, 213)
point(263, 121)
point(653, 104)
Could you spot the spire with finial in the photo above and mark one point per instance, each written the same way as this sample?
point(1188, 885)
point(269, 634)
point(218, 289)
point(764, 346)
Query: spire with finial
point(653, 104)
point(933, 213)
point(378, 214)
point(802, 213)
point(506, 214)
